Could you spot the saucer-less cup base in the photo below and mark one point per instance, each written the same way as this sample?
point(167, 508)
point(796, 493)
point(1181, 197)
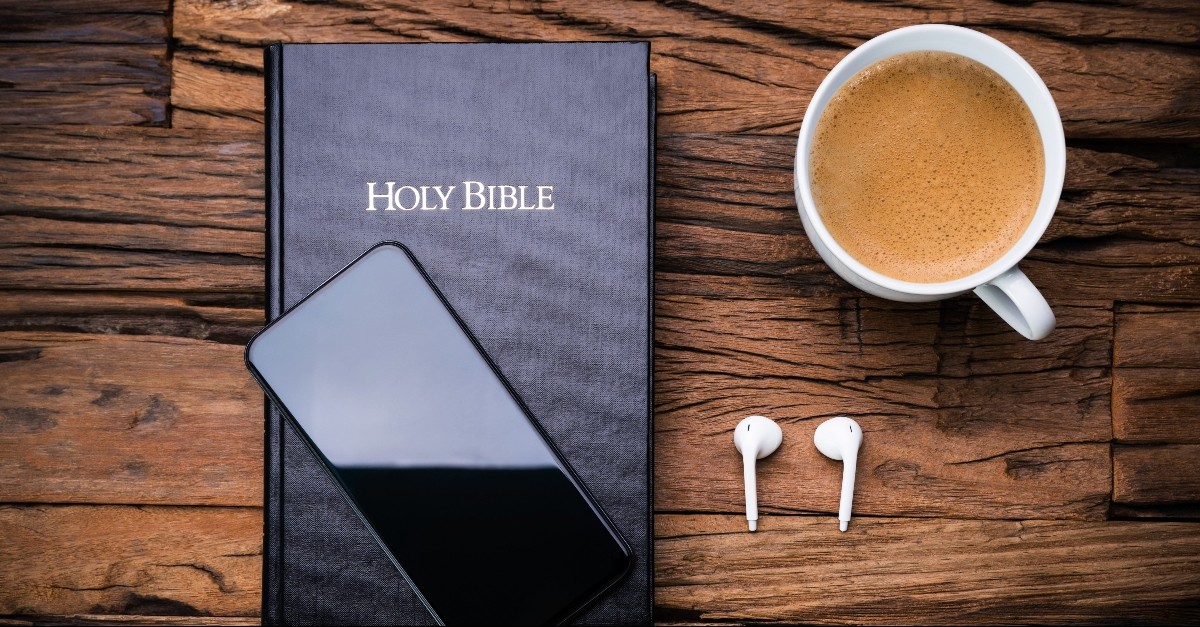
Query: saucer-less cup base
point(1001, 285)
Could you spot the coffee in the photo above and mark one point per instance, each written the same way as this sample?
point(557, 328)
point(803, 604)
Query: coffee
point(926, 166)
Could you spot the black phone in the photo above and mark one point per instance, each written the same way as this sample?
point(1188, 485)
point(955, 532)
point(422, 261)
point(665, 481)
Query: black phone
point(434, 449)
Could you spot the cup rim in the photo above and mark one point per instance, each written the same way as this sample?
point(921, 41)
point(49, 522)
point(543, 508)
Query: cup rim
point(1054, 169)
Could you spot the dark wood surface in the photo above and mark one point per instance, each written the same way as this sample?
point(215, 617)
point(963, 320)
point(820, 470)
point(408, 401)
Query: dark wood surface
point(1001, 481)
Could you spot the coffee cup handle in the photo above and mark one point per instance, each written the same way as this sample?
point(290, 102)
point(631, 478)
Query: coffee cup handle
point(1019, 303)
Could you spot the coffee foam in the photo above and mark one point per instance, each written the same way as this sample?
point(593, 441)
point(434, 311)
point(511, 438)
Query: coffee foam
point(926, 166)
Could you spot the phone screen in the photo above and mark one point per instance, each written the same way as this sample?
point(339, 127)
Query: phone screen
point(434, 449)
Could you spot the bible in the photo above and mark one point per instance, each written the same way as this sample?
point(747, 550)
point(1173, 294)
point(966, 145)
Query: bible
point(522, 176)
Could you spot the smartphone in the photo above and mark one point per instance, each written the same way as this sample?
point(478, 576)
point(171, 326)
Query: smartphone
point(434, 450)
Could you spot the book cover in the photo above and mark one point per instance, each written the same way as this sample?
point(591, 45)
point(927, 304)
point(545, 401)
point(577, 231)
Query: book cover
point(521, 176)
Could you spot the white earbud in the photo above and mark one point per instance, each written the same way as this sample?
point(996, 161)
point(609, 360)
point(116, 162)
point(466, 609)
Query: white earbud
point(755, 437)
point(839, 438)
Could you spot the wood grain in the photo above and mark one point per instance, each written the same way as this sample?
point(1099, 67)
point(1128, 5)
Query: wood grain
point(131, 209)
point(126, 619)
point(1170, 21)
point(79, 62)
point(130, 560)
point(728, 71)
point(887, 571)
point(84, 269)
point(1163, 474)
point(1156, 405)
point(1157, 337)
point(108, 84)
point(962, 417)
point(89, 418)
point(1156, 375)
point(62, 253)
point(1156, 400)
point(112, 70)
point(224, 318)
point(136, 176)
point(21, 231)
point(85, 21)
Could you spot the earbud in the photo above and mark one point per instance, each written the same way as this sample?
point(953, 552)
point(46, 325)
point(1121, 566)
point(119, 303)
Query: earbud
point(755, 437)
point(839, 438)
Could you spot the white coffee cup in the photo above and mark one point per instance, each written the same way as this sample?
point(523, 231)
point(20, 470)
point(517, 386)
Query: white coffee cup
point(1001, 285)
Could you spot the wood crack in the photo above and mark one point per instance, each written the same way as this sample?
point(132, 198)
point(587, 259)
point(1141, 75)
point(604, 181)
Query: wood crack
point(1029, 449)
point(214, 575)
point(110, 586)
point(757, 26)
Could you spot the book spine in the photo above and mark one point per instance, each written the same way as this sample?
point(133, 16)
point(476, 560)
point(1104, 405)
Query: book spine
point(272, 606)
point(650, 357)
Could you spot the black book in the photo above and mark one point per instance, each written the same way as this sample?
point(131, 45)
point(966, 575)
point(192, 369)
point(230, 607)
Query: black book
point(544, 247)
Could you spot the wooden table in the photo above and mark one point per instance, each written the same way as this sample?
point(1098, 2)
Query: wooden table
point(1001, 481)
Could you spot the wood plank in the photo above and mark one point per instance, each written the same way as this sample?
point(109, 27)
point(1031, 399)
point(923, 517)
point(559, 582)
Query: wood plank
point(192, 178)
point(1156, 374)
point(59, 252)
point(96, 268)
point(108, 84)
point(1156, 405)
point(909, 571)
point(87, 418)
point(1169, 21)
point(21, 231)
point(119, 619)
point(85, 21)
point(77, 62)
point(98, 209)
point(1164, 474)
point(227, 319)
point(197, 85)
point(962, 417)
point(189, 119)
point(1156, 398)
point(130, 560)
point(761, 71)
point(1157, 337)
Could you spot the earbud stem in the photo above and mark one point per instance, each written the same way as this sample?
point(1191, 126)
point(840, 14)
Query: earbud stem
point(748, 459)
point(850, 464)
